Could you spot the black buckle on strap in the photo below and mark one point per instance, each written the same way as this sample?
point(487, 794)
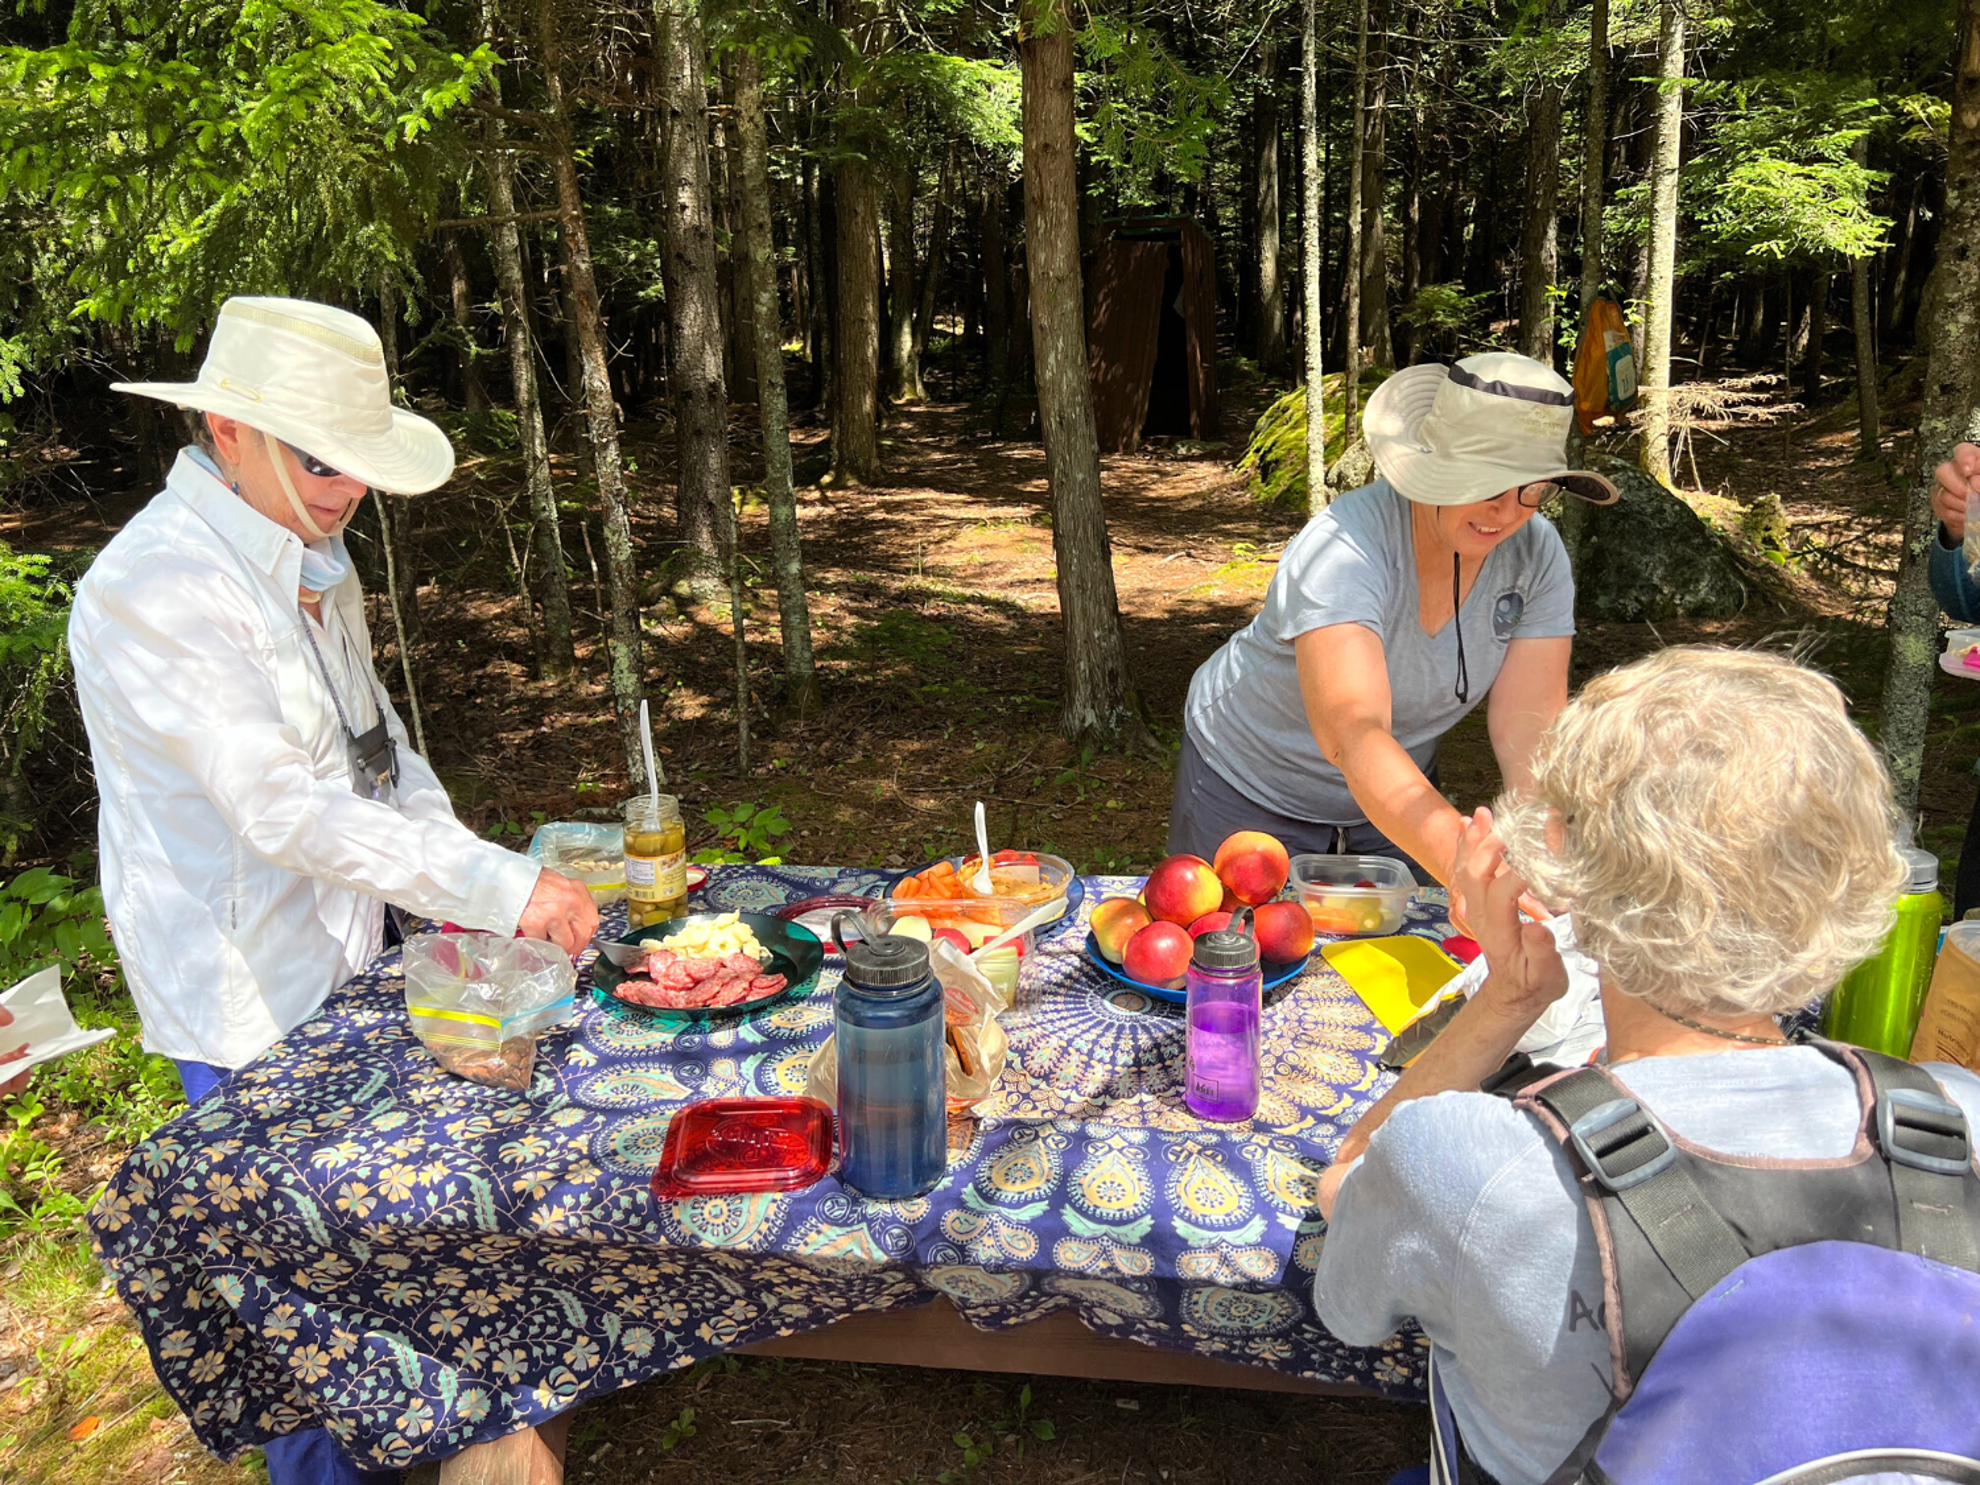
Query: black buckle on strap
point(1923, 1131)
point(1620, 1145)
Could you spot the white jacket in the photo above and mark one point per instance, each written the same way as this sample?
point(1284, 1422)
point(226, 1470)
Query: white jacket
point(245, 878)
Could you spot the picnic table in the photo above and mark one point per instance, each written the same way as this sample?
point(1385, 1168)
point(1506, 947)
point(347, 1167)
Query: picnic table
point(347, 1234)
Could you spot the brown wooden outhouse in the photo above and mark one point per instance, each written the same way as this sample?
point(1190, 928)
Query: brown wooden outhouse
point(1152, 340)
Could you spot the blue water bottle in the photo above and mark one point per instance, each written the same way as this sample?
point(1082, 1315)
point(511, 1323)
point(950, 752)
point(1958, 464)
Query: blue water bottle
point(893, 1077)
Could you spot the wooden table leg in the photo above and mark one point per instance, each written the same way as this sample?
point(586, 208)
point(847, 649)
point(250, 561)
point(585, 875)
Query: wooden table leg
point(535, 1456)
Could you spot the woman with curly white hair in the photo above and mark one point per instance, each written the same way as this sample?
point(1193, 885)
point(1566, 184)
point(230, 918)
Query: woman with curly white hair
point(1723, 836)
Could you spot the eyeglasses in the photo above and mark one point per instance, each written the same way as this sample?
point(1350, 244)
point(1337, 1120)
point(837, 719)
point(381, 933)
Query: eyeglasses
point(312, 465)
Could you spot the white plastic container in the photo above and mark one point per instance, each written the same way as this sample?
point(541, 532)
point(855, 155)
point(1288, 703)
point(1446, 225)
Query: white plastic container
point(1353, 896)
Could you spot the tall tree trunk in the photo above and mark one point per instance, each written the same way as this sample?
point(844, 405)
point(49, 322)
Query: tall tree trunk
point(559, 656)
point(1099, 698)
point(396, 512)
point(1265, 144)
point(1312, 224)
point(731, 276)
point(1662, 273)
point(856, 383)
point(996, 294)
point(1869, 430)
point(1595, 153)
point(823, 291)
point(1374, 204)
point(903, 377)
point(1818, 332)
point(394, 596)
point(474, 397)
point(1948, 413)
point(759, 256)
point(1539, 239)
point(1351, 268)
point(627, 662)
point(400, 586)
point(694, 317)
point(931, 274)
point(1895, 281)
point(856, 375)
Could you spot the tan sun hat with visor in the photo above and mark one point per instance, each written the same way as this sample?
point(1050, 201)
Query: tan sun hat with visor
point(1453, 435)
point(312, 376)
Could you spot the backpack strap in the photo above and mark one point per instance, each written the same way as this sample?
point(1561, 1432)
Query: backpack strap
point(1924, 1140)
point(1625, 1152)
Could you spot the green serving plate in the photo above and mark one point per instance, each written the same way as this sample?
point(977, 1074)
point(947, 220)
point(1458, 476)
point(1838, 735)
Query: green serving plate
point(792, 951)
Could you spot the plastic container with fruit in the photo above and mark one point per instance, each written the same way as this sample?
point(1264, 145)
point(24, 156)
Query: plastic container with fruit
point(943, 893)
point(1350, 896)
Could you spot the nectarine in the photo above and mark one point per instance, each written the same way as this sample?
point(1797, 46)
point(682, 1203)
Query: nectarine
point(1114, 921)
point(1285, 932)
point(1253, 865)
point(1209, 923)
point(1158, 955)
point(1182, 889)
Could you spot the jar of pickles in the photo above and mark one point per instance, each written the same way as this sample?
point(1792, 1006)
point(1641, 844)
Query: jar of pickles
point(656, 860)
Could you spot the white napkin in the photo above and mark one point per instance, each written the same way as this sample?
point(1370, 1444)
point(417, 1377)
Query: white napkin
point(42, 1023)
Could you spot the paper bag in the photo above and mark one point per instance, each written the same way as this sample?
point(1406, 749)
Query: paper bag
point(42, 1023)
point(1949, 1026)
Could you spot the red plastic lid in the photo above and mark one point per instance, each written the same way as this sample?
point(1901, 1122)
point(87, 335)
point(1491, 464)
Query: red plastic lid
point(731, 1146)
point(1460, 948)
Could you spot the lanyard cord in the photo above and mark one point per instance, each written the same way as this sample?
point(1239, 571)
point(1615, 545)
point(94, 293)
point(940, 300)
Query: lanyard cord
point(1463, 688)
point(324, 670)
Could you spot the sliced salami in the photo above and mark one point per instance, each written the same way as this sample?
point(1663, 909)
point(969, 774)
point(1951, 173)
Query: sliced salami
point(640, 992)
point(735, 990)
point(701, 969)
point(767, 985)
point(742, 964)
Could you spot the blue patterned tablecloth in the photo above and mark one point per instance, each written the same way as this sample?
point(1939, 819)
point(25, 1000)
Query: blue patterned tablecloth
point(348, 1233)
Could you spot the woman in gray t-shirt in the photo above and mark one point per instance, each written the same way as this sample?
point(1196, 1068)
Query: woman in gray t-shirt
point(1393, 613)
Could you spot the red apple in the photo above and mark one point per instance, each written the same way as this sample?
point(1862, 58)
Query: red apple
point(1285, 932)
point(1253, 865)
point(1114, 921)
point(1182, 889)
point(954, 936)
point(1158, 955)
point(1209, 923)
point(1230, 904)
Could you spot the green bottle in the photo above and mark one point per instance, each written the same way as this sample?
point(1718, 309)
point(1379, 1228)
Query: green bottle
point(1878, 1002)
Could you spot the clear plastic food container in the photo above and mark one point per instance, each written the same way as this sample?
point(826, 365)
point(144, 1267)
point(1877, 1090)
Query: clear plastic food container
point(592, 854)
point(999, 910)
point(1352, 896)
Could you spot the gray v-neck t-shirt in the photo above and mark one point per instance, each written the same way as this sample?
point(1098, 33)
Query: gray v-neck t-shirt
point(1354, 563)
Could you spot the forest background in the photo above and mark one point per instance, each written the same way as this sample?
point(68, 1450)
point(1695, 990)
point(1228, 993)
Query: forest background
point(762, 334)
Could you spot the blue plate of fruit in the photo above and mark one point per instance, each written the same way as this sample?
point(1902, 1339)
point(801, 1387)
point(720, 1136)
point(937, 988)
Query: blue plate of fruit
point(1275, 974)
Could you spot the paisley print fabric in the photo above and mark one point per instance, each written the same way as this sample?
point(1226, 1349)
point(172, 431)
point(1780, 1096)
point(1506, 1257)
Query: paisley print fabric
point(348, 1235)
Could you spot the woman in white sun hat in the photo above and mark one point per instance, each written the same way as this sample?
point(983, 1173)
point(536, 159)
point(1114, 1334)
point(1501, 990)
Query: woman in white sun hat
point(260, 802)
point(1393, 613)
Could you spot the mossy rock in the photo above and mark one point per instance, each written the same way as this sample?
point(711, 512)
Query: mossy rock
point(1275, 457)
point(1649, 556)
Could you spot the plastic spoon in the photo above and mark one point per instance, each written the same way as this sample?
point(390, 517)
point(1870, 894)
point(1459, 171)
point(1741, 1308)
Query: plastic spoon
point(646, 746)
point(1024, 925)
point(981, 883)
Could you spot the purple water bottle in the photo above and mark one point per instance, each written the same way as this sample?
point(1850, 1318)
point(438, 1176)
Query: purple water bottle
point(1224, 991)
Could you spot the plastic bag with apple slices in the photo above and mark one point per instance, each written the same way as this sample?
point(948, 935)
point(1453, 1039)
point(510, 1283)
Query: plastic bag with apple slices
point(977, 1047)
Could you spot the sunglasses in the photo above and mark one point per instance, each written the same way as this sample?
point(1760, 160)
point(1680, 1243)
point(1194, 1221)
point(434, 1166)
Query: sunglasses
point(312, 465)
point(1535, 496)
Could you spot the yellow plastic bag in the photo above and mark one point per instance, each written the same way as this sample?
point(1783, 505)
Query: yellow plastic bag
point(1604, 365)
point(1395, 977)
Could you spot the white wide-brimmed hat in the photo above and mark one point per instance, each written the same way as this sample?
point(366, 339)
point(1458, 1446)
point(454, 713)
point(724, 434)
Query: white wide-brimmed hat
point(1451, 435)
point(314, 377)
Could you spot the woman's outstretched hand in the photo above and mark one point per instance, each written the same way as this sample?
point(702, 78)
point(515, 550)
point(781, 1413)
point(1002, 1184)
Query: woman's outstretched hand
point(1526, 973)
